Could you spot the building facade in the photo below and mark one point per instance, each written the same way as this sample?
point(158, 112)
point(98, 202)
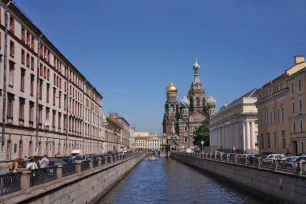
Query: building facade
point(234, 127)
point(281, 111)
point(181, 119)
point(148, 142)
point(117, 133)
point(47, 105)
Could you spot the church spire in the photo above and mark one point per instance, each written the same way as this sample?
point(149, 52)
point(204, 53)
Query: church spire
point(196, 68)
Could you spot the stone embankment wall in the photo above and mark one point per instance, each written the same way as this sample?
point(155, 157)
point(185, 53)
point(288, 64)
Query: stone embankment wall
point(271, 185)
point(87, 187)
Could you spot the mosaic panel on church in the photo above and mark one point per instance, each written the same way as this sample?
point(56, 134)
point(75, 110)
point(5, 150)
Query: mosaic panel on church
point(197, 117)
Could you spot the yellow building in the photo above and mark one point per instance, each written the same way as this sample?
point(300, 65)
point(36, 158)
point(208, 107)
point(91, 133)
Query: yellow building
point(281, 111)
point(149, 141)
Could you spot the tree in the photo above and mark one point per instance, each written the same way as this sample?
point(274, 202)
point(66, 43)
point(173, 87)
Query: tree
point(202, 134)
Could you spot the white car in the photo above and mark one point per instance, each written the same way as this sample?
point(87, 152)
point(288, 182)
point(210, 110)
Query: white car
point(297, 160)
point(269, 159)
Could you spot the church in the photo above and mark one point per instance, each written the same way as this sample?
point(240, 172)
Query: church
point(181, 119)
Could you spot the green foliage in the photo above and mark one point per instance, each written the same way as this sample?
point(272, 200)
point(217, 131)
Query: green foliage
point(202, 134)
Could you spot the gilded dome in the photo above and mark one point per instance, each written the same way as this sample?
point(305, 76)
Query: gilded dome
point(211, 101)
point(171, 88)
point(185, 102)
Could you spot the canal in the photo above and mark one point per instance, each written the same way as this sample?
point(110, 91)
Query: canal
point(169, 181)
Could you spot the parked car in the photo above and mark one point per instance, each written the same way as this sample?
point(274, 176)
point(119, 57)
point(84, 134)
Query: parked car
point(109, 153)
point(286, 162)
point(269, 159)
point(81, 157)
point(295, 163)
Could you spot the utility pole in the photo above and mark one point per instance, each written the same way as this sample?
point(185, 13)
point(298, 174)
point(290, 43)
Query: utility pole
point(4, 77)
point(37, 91)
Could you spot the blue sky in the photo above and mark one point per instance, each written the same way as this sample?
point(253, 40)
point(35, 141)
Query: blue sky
point(131, 49)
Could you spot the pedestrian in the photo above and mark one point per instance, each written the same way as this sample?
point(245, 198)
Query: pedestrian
point(32, 165)
point(44, 162)
point(15, 165)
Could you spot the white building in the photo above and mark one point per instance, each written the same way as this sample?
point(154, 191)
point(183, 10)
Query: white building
point(235, 125)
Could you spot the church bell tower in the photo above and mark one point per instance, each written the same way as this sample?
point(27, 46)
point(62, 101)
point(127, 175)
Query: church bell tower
point(170, 111)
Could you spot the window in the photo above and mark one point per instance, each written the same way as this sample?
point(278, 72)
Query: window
point(31, 113)
point(261, 118)
point(59, 120)
point(274, 138)
point(32, 85)
point(59, 99)
point(48, 74)
point(28, 38)
point(10, 106)
point(32, 42)
point(65, 102)
point(268, 139)
point(274, 116)
point(293, 126)
point(278, 118)
point(48, 92)
point(54, 95)
point(45, 72)
point(12, 49)
point(301, 125)
point(32, 63)
point(292, 103)
point(197, 101)
point(28, 60)
point(22, 56)
point(270, 117)
point(41, 70)
point(300, 104)
point(23, 34)
point(283, 139)
point(40, 88)
point(292, 89)
point(53, 118)
point(47, 113)
point(267, 118)
point(15, 148)
point(22, 75)
point(54, 79)
point(11, 74)
point(12, 24)
point(283, 117)
point(40, 114)
point(21, 108)
point(300, 85)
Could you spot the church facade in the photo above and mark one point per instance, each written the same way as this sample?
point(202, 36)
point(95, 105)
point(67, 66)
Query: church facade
point(181, 119)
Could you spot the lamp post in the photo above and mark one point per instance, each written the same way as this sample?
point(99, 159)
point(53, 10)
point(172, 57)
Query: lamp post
point(202, 143)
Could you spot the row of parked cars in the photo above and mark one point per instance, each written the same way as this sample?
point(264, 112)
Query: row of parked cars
point(69, 159)
point(286, 162)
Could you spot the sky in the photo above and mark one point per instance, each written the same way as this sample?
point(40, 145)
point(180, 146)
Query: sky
point(131, 49)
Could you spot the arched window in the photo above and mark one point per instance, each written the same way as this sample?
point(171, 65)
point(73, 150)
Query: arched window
point(191, 101)
point(197, 101)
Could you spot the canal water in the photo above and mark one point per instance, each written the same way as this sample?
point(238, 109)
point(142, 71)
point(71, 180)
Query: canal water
point(166, 181)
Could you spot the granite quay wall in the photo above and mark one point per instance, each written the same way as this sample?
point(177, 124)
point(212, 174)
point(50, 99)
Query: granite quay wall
point(270, 184)
point(83, 182)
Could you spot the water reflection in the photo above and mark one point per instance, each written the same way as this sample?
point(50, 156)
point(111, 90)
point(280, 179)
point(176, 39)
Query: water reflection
point(169, 181)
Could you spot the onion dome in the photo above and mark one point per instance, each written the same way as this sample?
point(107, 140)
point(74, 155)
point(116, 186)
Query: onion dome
point(196, 65)
point(185, 102)
point(171, 88)
point(211, 102)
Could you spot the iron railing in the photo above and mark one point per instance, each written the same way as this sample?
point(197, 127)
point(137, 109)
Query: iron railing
point(95, 163)
point(299, 168)
point(108, 160)
point(9, 183)
point(85, 165)
point(68, 169)
point(43, 175)
point(102, 161)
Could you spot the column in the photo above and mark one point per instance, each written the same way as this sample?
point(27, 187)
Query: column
point(236, 136)
point(253, 135)
point(248, 137)
point(243, 136)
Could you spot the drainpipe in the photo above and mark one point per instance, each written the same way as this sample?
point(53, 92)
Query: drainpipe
point(84, 115)
point(37, 91)
point(4, 78)
point(67, 107)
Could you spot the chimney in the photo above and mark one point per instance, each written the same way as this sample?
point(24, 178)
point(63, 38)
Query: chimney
point(299, 59)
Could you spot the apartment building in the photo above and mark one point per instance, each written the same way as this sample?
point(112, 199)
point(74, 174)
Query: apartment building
point(282, 110)
point(47, 105)
point(117, 133)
